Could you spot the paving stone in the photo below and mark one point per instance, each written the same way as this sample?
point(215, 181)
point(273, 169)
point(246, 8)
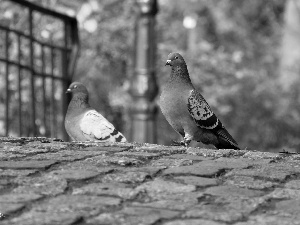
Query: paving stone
point(6, 208)
point(169, 162)
point(184, 197)
point(15, 173)
point(196, 169)
point(85, 165)
point(189, 157)
point(250, 182)
point(161, 149)
point(112, 189)
point(45, 185)
point(235, 163)
point(32, 164)
point(53, 146)
point(120, 219)
point(85, 205)
point(169, 204)
point(270, 220)
point(139, 155)
point(293, 184)
point(262, 155)
point(45, 218)
point(127, 177)
point(272, 172)
point(78, 174)
point(163, 213)
point(193, 222)
point(151, 171)
point(65, 209)
point(65, 155)
point(208, 168)
point(4, 156)
point(284, 193)
point(159, 187)
point(226, 209)
point(108, 148)
point(18, 198)
point(2, 187)
point(198, 181)
point(289, 208)
point(105, 160)
point(134, 216)
point(22, 150)
point(229, 190)
point(215, 153)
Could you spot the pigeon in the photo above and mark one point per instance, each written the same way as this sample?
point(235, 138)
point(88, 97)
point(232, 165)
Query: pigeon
point(188, 112)
point(83, 123)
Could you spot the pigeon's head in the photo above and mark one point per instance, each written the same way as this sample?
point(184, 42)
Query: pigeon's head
point(175, 59)
point(77, 87)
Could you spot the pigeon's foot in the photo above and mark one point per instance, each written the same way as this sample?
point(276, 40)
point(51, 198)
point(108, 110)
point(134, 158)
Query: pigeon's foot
point(178, 143)
point(186, 142)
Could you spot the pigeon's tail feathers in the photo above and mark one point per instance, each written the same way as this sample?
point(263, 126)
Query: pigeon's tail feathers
point(95, 127)
point(117, 136)
point(226, 141)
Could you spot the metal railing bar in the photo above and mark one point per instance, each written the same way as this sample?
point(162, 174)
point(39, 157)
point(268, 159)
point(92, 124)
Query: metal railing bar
point(53, 116)
point(35, 73)
point(33, 126)
point(44, 10)
point(7, 85)
point(65, 73)
point(32, 38)
point(19, 86)
point(44, 91)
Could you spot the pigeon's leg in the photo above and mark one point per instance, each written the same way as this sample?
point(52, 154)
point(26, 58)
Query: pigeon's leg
point(187, 139)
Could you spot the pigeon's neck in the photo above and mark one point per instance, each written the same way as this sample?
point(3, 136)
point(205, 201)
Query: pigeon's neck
point(180, 74)
point(80, 101)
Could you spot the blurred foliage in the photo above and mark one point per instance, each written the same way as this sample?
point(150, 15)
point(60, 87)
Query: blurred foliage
point(233, 56)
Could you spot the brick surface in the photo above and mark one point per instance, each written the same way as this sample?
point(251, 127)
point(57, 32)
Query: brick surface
point(47, 181)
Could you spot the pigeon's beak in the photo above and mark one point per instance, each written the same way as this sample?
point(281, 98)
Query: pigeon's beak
point(68, 91)
point(168, 62)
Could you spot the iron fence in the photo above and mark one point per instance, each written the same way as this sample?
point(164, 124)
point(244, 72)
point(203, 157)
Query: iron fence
point(38, 52)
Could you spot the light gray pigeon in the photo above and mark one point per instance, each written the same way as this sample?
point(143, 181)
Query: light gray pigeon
point(83, 123)
point(187, 111)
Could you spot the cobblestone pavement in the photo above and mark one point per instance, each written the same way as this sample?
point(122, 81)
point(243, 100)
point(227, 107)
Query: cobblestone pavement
point(46, 181)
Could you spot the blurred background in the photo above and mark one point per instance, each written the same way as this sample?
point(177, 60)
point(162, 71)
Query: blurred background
point(244, 57)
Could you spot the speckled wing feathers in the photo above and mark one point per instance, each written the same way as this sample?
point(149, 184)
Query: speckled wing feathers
point(206, 119)
point(95, 127)
point(201, 112)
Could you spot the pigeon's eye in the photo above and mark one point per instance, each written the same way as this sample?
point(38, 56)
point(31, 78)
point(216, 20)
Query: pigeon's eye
point(176, 57)
point(75, 86)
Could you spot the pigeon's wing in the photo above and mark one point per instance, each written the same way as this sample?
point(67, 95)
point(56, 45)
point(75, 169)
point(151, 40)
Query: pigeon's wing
point(205, 117)
point(201, 112)
point(95, 127)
